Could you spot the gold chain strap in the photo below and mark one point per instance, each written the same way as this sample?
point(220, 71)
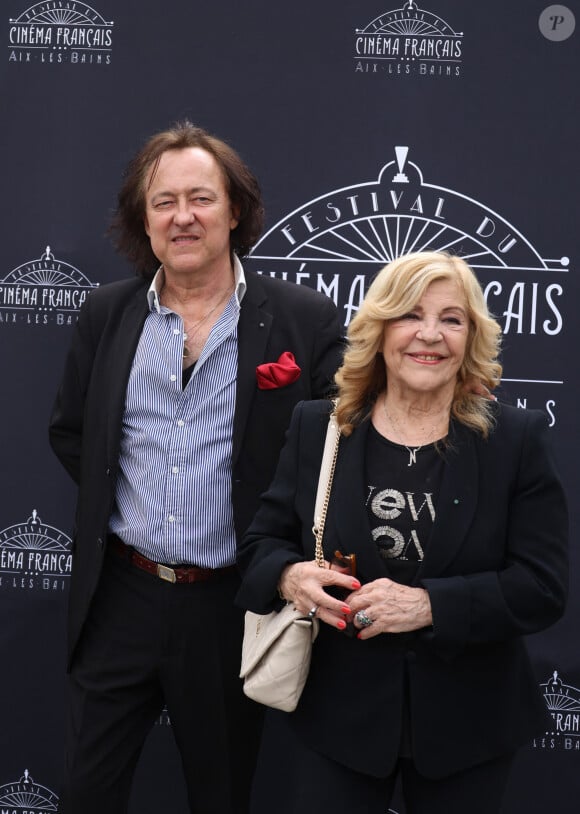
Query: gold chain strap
point(318, 530)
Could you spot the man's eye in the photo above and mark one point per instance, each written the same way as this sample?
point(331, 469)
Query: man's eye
point(162, 204)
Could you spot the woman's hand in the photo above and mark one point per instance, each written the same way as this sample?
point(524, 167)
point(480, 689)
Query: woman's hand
point(303, 584)
point(393, 608)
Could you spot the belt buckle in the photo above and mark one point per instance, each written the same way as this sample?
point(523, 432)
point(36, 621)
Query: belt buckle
point(168, 574)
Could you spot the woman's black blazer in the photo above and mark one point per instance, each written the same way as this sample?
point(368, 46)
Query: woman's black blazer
point(495, 568)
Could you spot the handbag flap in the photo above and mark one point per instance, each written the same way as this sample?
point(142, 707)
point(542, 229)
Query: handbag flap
point(262, 630)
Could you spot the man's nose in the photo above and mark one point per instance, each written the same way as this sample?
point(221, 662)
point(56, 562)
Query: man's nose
point(184, 213)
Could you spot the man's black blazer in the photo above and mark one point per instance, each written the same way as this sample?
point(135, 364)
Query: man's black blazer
point(85, 426)
point(495, 568)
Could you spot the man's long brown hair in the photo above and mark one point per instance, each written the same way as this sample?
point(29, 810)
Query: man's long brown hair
point(127, 226)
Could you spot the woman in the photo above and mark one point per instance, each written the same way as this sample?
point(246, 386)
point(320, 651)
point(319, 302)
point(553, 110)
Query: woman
point(453, 509)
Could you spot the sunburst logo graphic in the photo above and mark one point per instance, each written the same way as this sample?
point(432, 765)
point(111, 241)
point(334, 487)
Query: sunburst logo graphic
point(35, 557)
point(408, 41)
point(43, 291)
point(58, 13)
point(339, 240)
point(373, 222)
point(561, 697)
point(27, 796)
point(57, 32)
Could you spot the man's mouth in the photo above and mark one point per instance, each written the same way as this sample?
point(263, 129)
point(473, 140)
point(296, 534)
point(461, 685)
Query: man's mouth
point(185, 238)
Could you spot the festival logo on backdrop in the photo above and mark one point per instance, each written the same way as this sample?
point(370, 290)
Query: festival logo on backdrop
point(408, 41)
point(60, 31)
point(34, 557)
point(45, 291)
point(563, 703)
point(27, 797)
point(338, 241)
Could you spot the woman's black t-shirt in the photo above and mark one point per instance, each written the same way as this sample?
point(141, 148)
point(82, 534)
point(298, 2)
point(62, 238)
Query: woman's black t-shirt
point(402, 488)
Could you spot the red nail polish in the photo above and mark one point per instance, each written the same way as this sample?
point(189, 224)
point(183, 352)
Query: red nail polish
point(341, 624)
point(356, 584)
point(345, 609)
point(358, 635)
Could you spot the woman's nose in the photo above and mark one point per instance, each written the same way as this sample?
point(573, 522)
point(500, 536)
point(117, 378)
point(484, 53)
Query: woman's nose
point(429, 331)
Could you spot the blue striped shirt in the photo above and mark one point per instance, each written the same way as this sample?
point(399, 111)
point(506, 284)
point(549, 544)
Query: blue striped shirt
point(173, 499)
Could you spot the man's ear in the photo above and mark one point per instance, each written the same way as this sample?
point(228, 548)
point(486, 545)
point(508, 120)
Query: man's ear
point(235, 219)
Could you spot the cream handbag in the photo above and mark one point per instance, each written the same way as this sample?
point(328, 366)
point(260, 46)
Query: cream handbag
point(277, 646)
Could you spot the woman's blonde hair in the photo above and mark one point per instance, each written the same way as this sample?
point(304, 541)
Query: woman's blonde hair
point(395, 291)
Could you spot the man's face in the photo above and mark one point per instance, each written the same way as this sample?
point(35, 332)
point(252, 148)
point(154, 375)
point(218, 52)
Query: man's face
point(188, 214)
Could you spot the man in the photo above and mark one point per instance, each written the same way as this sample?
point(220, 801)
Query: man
point(175, 398)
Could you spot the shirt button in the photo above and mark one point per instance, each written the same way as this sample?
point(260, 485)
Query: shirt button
point(171, 518)
point(175, 469)
point(173, 377)
point(180, 423)
point(176, 331)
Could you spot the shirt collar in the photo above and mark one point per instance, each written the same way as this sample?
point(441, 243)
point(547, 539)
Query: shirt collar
point(157, 284)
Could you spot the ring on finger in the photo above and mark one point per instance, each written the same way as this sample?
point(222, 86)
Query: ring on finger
point(312, 612)
point(363, 619)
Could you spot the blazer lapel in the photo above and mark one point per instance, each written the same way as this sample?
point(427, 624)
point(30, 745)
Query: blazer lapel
point(254, 328)
point(123, 349)
point(347, 512)
point(457, 502)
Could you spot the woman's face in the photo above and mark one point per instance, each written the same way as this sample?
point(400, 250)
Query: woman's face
point(424, 349)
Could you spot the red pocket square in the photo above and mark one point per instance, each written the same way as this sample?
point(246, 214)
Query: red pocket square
point(272, 375)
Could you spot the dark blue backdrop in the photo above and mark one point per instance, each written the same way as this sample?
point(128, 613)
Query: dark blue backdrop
point(375, 128)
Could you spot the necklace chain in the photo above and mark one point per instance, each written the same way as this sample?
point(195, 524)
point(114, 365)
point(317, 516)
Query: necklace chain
point(190, 331)
point(396, 429)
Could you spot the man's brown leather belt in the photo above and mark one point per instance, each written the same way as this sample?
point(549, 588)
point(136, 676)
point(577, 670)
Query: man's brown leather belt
point(186, 573)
